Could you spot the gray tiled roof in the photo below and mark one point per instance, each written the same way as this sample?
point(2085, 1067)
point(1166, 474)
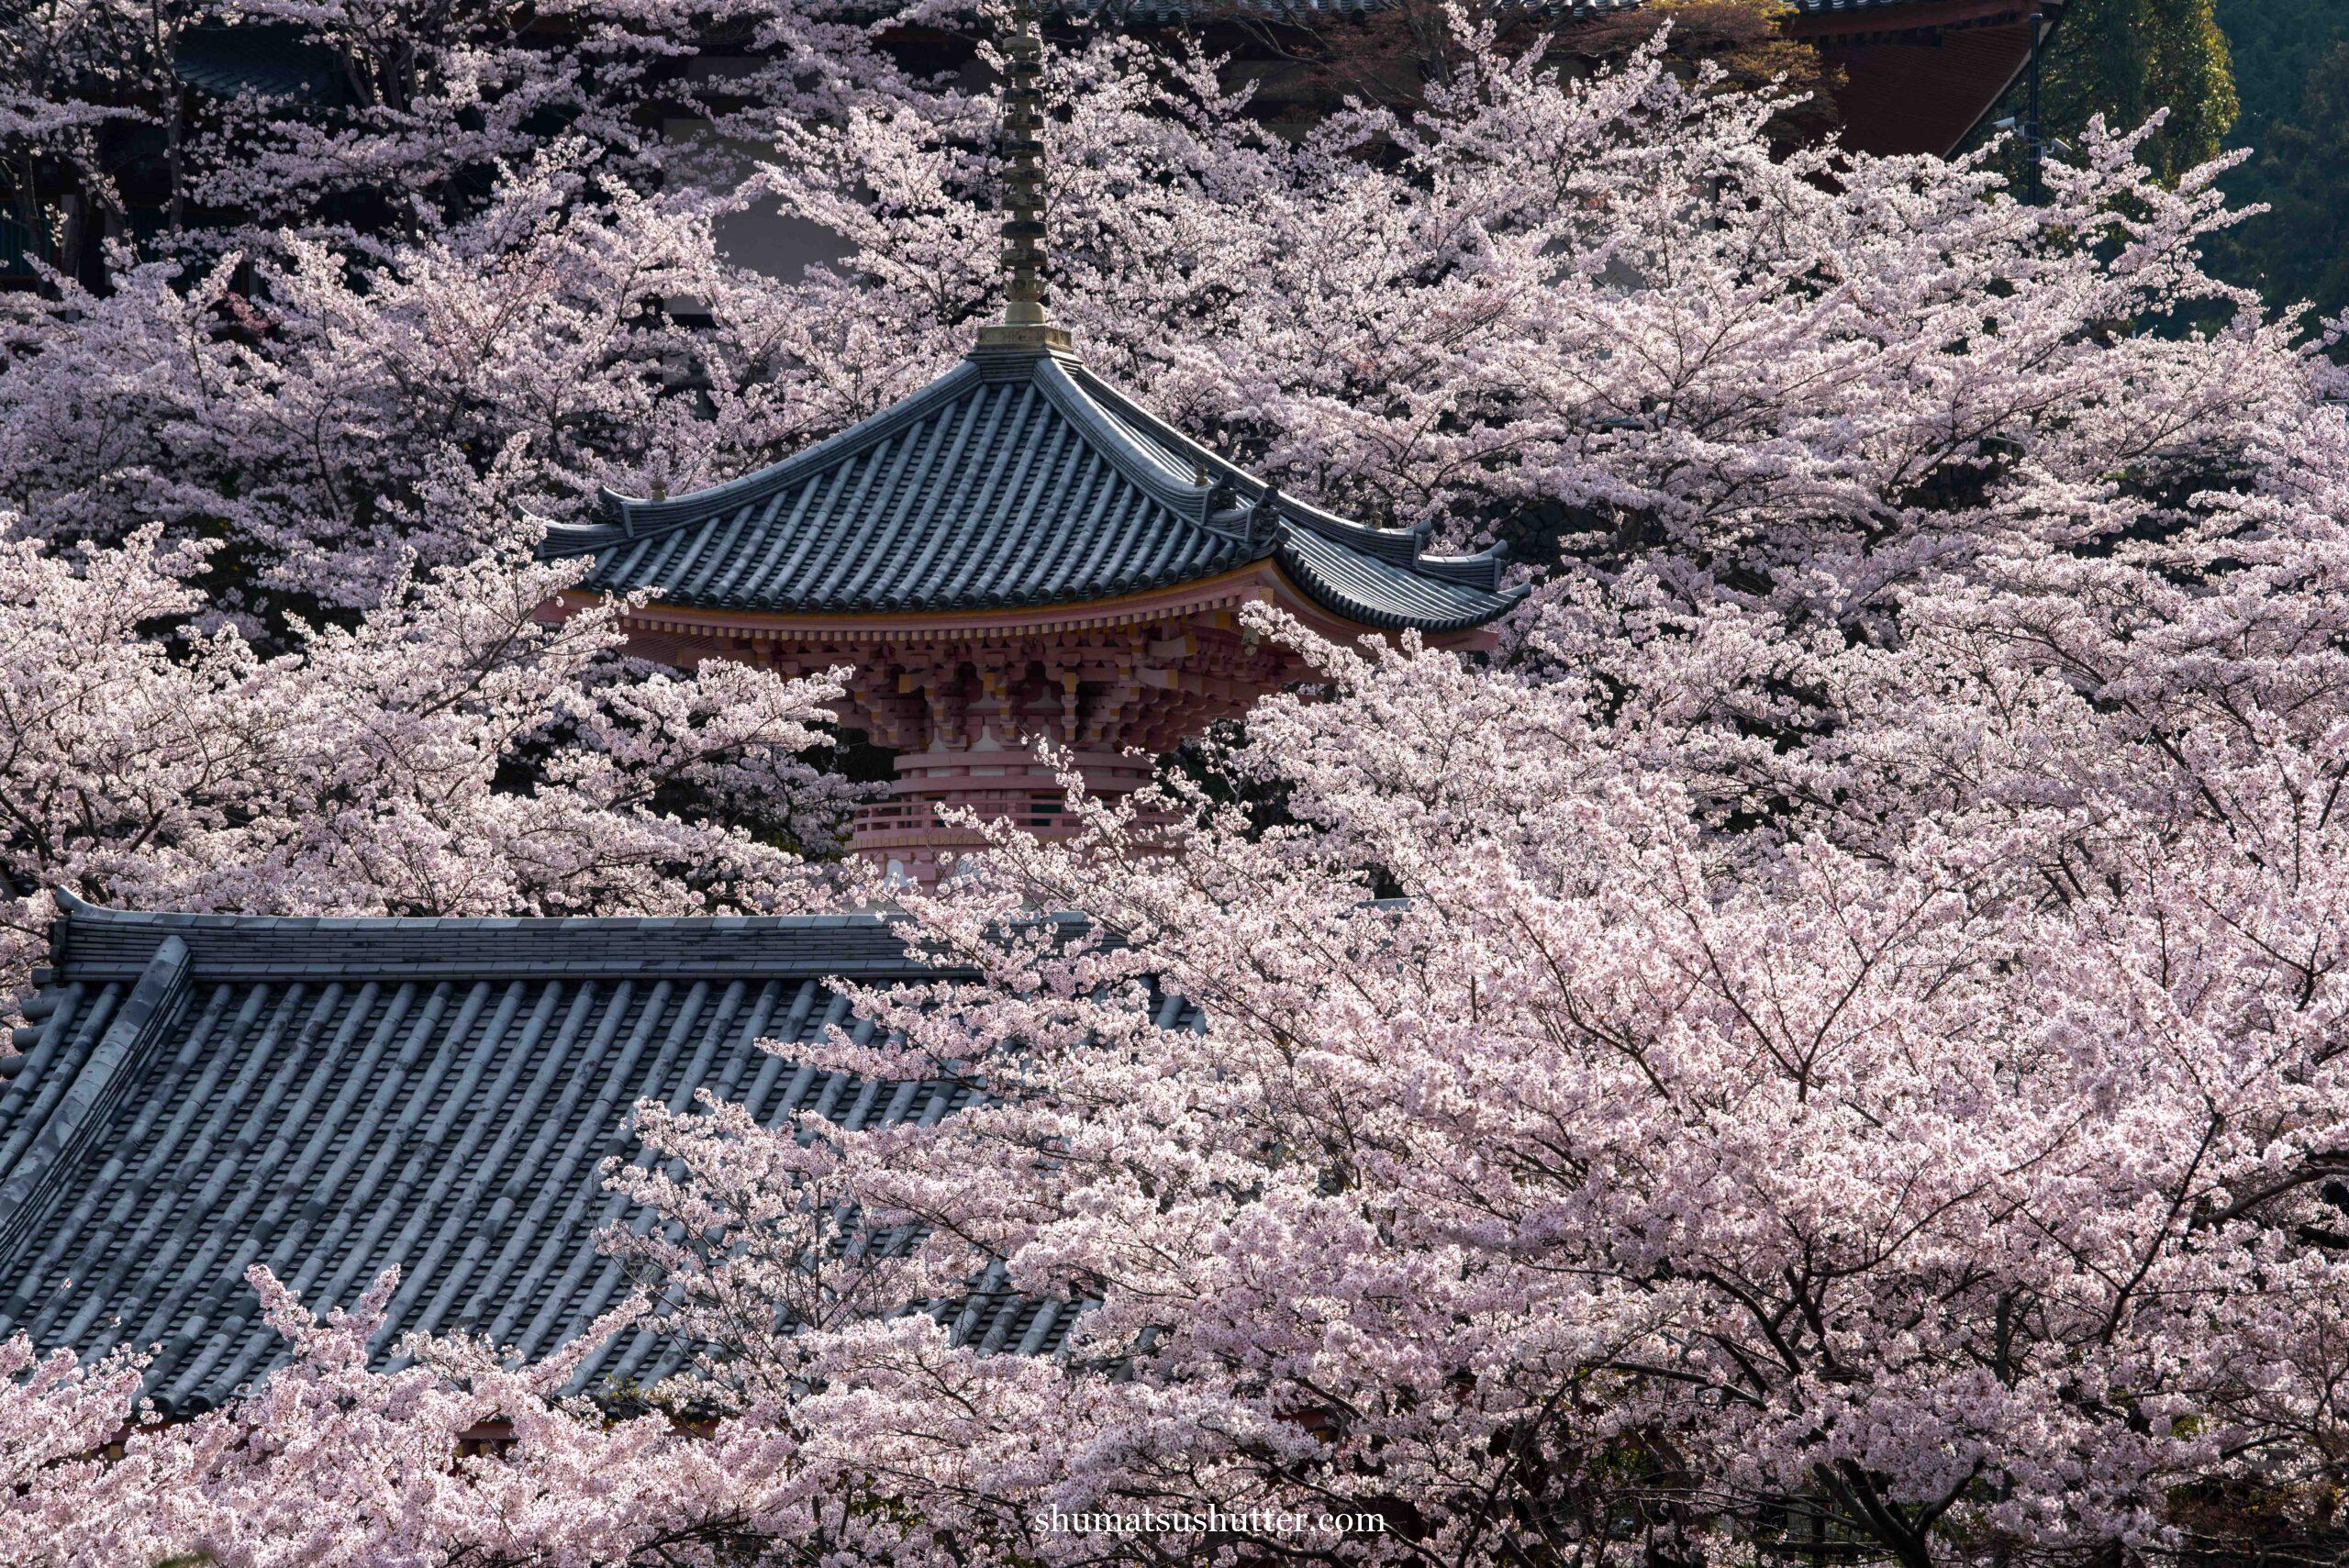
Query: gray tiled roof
point(329, 1096)
point(267, 60)
point(1013, 480)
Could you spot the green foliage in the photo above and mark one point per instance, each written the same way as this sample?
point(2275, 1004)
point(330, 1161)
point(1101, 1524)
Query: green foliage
point(2292, 66)
point(2276, 44)
point(2269, 75)
point(2125, 59)
point(2298, 250)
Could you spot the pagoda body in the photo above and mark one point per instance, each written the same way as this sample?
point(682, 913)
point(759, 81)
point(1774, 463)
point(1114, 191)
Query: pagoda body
point(1015, 554)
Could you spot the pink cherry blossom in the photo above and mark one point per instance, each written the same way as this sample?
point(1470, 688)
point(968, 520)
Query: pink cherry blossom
point(368, 768)
point(1828, 1043)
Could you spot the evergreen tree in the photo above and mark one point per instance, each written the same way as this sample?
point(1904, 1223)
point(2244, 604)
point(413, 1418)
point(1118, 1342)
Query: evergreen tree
point(2126, 58)
point(2300, 249)
point(2292, 64)
point(2275, 45)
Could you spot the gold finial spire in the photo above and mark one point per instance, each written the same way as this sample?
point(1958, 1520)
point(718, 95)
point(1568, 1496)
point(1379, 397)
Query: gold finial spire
point(1025, 324)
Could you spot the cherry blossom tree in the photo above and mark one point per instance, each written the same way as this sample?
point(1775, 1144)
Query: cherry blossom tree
point(1831, 1043)
point(1606, 306)
point(450, 753)
point(341, 418)
point(458, 255)
point(332, 1464)
point(72, 74)
point(1625, 1187)
point(1605, 310)
point(1833, 1047)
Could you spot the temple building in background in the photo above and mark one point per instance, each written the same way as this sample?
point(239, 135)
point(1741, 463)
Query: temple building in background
point(1903, 76)
point(1922, 75)
point(1018, 552)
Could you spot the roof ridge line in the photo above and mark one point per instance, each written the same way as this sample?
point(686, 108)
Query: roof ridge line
point(1186, 499)
point(1294, 511)
point(1099, 389)
point(91, 938)
point(102, 1078)
point(81, 910)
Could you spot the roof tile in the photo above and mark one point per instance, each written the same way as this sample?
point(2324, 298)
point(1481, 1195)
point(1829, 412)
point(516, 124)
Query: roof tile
point(1009, 482)
point(328, 1096)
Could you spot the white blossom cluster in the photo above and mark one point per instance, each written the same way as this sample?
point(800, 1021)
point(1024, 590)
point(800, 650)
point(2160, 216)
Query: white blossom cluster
point(1831, 1041)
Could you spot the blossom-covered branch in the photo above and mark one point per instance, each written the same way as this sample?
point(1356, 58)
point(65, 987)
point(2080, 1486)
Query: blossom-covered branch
point(450, 753)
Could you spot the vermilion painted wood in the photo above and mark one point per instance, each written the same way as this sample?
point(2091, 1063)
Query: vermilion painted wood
point(1015, 554)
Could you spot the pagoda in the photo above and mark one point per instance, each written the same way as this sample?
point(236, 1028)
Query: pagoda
point(1016, 552)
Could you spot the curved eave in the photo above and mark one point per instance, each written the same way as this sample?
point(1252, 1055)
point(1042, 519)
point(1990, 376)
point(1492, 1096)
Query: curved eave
point(1334, 606)
point(1003, 487)
point(1393, 598)
point(1390, 543)
point(1403, 547)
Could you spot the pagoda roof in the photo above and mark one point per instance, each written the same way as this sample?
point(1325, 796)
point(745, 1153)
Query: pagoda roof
point(1013, 480)
point(330, 1096)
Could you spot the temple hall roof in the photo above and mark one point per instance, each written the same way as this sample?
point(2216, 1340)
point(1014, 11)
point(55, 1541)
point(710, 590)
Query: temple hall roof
point(200, 1092)
point(1014, 480)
